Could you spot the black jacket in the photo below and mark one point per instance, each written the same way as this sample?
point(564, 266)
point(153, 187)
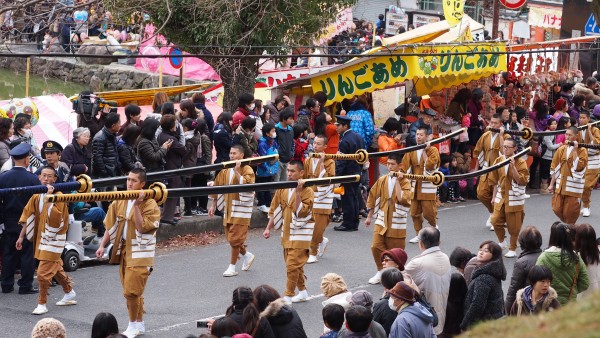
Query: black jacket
point(94, 124)
point(383, 314)
point(174, 158)
point(223, 141)
point(127, 156)
point(284, 320)
point(455, 309)
point(485, 298)
point(191, 151)
point(76, 158)
point(208, 118)
point(519, 278)
point(151, 155)
point(285, 142)
point(350, 142)
point(105, 159)
point(264, 328)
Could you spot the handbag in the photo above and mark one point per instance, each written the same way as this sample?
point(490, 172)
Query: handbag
point(574, 280)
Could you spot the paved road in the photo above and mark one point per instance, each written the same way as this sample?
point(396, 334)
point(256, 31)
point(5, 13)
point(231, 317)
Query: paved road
point(187, 284)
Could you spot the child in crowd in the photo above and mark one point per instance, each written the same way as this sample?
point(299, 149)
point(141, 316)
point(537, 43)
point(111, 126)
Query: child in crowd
point(358, 320)
point(333, 318)
point(300, 142)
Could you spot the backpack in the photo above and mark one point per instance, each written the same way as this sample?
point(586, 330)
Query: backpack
point(424, 303)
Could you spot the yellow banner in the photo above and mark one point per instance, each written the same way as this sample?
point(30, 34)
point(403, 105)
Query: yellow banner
point(440, 69)
point(453, 11)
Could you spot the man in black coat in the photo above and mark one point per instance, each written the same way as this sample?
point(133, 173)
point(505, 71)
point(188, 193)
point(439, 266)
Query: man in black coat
point(11, 207)
point(105, 159)
point(350, 142)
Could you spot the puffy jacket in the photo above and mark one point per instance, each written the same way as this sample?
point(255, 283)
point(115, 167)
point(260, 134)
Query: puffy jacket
point(206, 146)
point(127, 156)
point(362, 122)
point(76, 158)
point(105, 159)
point(274, 113)
point(485, 298)
point(383, 314)
point(223, 141)
point(284, 320)
point(413, 321)
point(264, 327)
point(151, 155)
point(267, 146)
point(285, 142)
point(411, 139)
point(239, 116)
point(564, 274)
point(550, 146)
point(519, 278)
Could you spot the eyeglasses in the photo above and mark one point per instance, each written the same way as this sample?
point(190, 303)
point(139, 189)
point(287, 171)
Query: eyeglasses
point(385, 260)
point(508, 147)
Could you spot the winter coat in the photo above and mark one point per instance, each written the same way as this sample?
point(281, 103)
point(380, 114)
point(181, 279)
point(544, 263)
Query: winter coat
point(274, 113)
point(208, 118)
point(431, 271)
point(264, 328)
point(523, 306)
point(411, 139)
point(285, 141)
point(206, 146)
point(174, 158)
point(551, 145)
point(485, 298)
point(362, 122)
point(105, 158)
point(284, 320)
point(462, 164)
point(223, 141)
point(127, 156)
point(413, 321)
point(94, 125)
point(247, 141)
point(455, 309)
point(300, 149)
point(563, 275)
point(4, 150)
point(267, 146)
point(151, 155)
point(520, 274)
point(383, 314)
point(192, 142)
point(593, 271)
point(375, 331)
point(76, 158)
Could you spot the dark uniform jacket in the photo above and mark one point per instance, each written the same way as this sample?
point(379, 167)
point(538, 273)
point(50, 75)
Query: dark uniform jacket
point(12, 205)
point(350, 142)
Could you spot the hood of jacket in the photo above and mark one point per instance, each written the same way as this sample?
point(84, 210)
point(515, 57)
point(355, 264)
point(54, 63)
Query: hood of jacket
point(552, 295)
point(419, 311)
point(278, 312)
point(357, 106)
point(530, 252)
point(494, 268)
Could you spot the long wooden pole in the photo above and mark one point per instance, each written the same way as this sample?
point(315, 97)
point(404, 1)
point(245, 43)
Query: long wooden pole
point(27, 77)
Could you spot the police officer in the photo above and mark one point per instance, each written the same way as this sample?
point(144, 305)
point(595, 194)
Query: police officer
point(350, 142)
point(51, 151)
point(11, 207)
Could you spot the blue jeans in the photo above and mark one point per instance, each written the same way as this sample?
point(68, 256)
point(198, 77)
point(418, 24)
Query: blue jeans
point(96, 216)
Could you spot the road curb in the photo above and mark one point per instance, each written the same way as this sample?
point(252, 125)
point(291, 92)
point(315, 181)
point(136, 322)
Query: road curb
point(201, 224)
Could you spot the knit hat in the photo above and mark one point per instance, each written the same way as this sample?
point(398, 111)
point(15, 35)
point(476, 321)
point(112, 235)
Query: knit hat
point(398, 255)
point(333, 284)
point(560, 104)
point(49, 328)
point(362, 298)
point(404, 292)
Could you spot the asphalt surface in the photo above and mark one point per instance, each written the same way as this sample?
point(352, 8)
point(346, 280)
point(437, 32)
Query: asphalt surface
point(187, 285)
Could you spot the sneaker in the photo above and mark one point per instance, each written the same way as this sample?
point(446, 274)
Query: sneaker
point(200, 212)
point(336, 218)
point(230, 272)
point(510, 254)
point(287, 300)
point(322, 247)
point(454, 200)
point(312, 259)
point(492, 228)
point(248, 260)
point(460, 199)
point(40, 309)
point(264, 208)
point(188, 214)
point(526, 196)
point(415, 240)
point(585, 212)
point(363, 213)
point(68, 299)
point(503, 245)
point(488, 223)
point(375, 279)
point(302, 296)
point(141, 327)
point(132, 330)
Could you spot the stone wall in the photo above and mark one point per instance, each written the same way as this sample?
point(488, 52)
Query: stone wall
point(98, 77)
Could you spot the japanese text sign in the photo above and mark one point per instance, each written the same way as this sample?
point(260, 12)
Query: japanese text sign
point(545, 17)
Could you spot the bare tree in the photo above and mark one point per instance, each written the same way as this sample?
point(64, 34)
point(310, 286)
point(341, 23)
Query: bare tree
point(235, 27)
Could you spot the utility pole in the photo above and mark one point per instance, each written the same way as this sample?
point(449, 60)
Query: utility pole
point(495, 19)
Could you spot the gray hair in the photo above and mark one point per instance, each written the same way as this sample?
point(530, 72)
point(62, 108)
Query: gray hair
point(80, 131)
